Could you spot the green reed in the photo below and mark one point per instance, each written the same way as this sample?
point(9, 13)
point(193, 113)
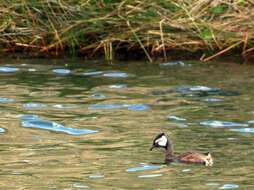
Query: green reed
point(104, 27)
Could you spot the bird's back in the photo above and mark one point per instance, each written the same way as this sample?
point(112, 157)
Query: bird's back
point(194, 157)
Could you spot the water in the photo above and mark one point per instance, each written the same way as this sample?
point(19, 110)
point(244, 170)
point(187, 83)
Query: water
point(71, 124)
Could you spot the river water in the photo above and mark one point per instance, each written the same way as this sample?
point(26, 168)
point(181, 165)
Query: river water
point(73, 124)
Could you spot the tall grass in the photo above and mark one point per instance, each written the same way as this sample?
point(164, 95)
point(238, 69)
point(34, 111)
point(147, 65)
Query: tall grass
point(95, 27)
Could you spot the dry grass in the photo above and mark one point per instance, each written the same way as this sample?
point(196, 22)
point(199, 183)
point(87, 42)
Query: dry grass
point(93, 27)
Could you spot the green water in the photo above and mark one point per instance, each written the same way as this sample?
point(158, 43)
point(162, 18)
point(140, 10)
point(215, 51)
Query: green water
point(127, 109)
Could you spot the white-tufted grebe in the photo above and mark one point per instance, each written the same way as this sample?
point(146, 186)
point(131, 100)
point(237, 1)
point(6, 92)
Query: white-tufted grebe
point(162, 141)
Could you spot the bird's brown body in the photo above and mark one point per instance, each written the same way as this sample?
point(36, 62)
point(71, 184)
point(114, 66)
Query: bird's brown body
point(194, 157)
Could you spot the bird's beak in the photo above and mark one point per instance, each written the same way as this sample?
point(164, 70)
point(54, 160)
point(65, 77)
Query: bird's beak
point(151, 148)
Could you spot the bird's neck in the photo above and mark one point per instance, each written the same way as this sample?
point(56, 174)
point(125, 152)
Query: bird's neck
point(169, 155)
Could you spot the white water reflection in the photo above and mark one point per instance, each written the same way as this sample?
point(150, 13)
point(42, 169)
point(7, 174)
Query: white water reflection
point(220, 124)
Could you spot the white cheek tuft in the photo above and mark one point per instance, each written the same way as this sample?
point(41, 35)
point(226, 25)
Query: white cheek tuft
point(162, 141)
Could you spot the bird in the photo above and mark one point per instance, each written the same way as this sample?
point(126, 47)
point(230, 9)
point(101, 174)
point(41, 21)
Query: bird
point(162, 141)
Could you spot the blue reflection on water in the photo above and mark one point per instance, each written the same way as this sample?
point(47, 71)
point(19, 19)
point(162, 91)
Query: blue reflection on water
point(138, 107)
point(62, 71)
point(229, 186)
point(135, 107)
point(33, 121)
point(2, 130)
point(53, 126)
point(34, 105)
point(106, 106)
point(110, 74)
point(213, 100)
point(6, 100)
point(8, 69)
point(27, 116)
point(243, 130)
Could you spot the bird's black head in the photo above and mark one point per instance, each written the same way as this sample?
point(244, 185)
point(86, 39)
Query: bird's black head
point(160, 141)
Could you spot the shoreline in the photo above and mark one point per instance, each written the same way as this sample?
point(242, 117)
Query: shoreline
point(232, 58)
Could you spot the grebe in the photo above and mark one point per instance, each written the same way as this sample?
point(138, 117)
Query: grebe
point(161, 141)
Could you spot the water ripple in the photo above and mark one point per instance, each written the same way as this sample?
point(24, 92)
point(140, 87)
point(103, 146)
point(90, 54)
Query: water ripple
point(8, 69)
point(229, 186)
point(93, 73)
point(106, 106)
point(173, 63)
point(150, 175)
point(65, 106)
point(28, 116)
point(2, 130)
point(80, 186)
point(221, 124)
point(200, 91)
point(243, 130)
point(213, 100)
point(115, 74)
point(251, 122)
point(6, 100)
point(186, 170)
point(98, 96)
point(32, 70)
point(118, 86)
point(138, 107)
point(99, 176)
point(190, 89)
point(203, 88)
point(212, 184)
point(33, 121)
point(173, 117)
point(62, 71)
point(110, 74)
point(34, 105)
point(134, 107)
point(144, 168)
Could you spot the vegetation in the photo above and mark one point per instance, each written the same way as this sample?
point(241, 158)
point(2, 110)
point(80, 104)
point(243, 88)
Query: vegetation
point(107, 27)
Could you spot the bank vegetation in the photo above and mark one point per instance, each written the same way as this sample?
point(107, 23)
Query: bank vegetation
point(111, 28)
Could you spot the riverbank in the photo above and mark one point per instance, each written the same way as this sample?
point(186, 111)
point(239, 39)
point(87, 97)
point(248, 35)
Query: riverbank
point(123, 29)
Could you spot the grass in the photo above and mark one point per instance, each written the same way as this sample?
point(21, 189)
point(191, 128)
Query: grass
point(110, 27)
